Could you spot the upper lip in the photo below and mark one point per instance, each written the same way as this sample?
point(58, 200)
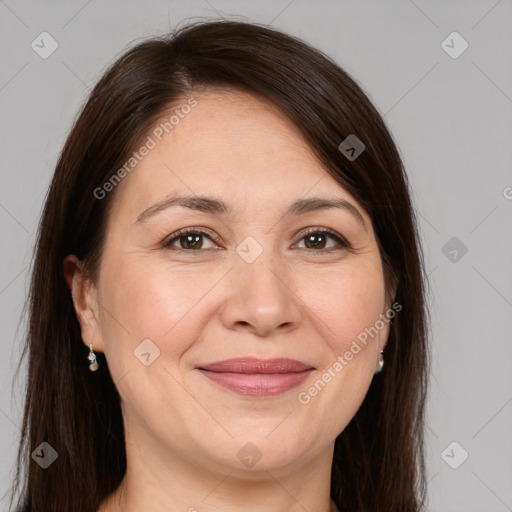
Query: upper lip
point(255, 365)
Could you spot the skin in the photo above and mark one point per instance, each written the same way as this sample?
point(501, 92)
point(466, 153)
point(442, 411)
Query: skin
point(304, 302)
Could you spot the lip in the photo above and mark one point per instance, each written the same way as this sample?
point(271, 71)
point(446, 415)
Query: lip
point(250, 365)
point(257, 377)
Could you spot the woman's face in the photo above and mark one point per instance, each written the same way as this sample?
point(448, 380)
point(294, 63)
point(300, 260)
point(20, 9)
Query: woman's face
point(254, 280)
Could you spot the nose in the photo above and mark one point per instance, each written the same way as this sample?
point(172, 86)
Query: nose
point(261, 299)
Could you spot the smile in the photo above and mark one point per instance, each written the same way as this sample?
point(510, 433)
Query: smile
point(257, 377)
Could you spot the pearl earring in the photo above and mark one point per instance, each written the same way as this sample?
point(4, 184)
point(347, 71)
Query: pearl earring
point(93, 365)
point(380, 364)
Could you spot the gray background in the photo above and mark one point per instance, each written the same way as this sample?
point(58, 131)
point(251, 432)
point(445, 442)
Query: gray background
point(451, 118)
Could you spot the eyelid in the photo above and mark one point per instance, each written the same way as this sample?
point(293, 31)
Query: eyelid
point(192, 229)
point(341, 240)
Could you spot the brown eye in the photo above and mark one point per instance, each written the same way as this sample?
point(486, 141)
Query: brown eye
point(188, 240)
point(194, 240)
point(315, 241)
point(191, 241)
point(319, 238)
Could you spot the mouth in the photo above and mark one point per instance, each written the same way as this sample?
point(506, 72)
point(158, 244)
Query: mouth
point(257, 377)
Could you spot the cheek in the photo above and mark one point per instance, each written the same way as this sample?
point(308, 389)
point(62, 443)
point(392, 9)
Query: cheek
point(145, 302)
point(350, 358)
point(345, 303)
point(141, 303)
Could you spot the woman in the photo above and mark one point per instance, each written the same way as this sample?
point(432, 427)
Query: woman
point(228, 243)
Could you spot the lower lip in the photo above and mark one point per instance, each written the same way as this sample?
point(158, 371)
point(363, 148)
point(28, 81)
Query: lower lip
point(257, 384)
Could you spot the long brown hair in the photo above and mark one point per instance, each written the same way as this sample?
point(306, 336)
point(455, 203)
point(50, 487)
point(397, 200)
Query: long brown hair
point(378, 460)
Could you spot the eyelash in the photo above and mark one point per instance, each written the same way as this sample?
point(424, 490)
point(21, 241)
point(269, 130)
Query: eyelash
point(192, 230)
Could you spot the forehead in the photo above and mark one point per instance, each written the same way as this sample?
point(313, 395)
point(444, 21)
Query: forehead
point(231, 144)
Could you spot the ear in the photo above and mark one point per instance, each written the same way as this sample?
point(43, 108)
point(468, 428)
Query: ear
point(392, 309)
point(384, 333)
point(84, 296)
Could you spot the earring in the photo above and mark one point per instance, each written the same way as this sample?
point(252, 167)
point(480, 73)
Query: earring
point(380, 364)
point(93, 365)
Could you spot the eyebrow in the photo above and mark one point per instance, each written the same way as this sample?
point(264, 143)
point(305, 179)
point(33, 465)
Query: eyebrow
point(208, 204)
